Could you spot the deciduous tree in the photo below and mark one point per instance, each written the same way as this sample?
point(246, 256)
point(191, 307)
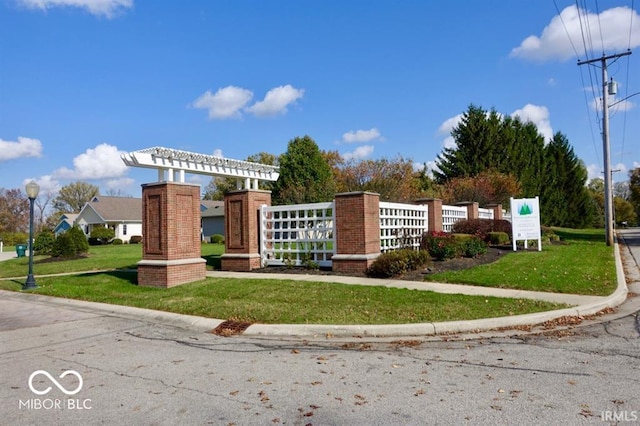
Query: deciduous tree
point(72, 197)
point(305, 175)
point(14, 211)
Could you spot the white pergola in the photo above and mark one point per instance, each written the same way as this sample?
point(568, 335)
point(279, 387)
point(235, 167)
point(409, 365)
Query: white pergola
point(172, 165)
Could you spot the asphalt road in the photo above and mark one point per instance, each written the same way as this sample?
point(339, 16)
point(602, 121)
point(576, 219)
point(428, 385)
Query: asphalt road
point(137, 372)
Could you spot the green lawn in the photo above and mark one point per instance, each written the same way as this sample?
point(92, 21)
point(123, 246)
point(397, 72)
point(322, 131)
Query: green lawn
point(562, 268)
point(282, 301)
point(583, 264)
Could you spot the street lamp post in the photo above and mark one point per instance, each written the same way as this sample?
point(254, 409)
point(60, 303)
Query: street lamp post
point(32, 189)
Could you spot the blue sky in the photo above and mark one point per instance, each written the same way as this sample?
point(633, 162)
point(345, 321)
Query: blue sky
point(83, 81)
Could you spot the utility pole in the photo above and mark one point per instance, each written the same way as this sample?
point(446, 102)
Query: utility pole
point(608, 192)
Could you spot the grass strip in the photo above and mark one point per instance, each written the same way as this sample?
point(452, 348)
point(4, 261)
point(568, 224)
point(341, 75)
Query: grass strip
point(283, 301)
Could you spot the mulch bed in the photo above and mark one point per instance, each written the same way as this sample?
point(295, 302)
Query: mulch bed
point(434, 267)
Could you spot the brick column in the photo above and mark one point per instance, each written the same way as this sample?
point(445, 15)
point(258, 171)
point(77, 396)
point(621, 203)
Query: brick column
point(242, 229)
point(472, 209)
point(171, 252)
point(357, 231)
point(434, 214)
point(497, 211)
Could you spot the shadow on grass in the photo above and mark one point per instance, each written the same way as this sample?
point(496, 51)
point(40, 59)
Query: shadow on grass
point(580, 235)
point(130, 275)
point(214, 261)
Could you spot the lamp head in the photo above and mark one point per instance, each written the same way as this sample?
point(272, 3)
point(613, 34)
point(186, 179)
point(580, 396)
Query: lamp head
point(32, 189)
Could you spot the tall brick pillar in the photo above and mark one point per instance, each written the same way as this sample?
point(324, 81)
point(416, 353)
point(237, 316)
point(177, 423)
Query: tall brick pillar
point(497, 210)
point(242, 229)
point(171, 235)
point(434, 214)
point(472, 208)
point(357, 231)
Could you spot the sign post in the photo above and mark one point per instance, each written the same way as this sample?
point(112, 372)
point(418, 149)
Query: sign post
point(525, 221)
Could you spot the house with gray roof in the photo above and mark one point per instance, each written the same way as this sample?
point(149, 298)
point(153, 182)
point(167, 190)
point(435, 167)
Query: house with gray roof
point(212, 218)
point(122, 214)
point(65, 223)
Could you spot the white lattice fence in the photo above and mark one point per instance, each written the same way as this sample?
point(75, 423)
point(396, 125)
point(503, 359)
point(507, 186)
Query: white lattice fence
point(402, 225)
point(485, 213)
point(452, 214)
point(293, 235)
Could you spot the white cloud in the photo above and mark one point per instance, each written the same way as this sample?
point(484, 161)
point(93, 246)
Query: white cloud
point(615, 104)
point(106, 8)
point(594, 171)
point(609, 31)
point(538, 115)
point(636, 164)
point(116, 184)
point(359, 136)
point(445, 129)
point(47, 184)
point(101, 162)
point(217, 152)
point(276, 101)
point(225, 103)
point(359, 153)
point(24, 147)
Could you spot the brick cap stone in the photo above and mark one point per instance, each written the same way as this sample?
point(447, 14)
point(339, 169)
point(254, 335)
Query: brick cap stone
point(145, 185)
point(240, 255)
point(241, 191)
point(152, 262)
point(369, 256)
point(343, 194)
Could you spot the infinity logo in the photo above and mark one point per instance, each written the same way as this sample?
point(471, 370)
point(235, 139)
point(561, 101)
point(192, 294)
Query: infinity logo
point(55, 382)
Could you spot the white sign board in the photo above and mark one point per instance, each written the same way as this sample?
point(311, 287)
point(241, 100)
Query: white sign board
point(525, 221)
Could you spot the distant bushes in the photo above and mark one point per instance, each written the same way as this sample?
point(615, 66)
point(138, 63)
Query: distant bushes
point(217, 239)
point(482, 227)
point(101, 235)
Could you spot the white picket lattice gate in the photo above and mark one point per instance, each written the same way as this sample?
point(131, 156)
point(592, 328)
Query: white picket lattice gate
point(298, 234)
point(402, 225)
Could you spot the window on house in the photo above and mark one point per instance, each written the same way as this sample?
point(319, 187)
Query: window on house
point(124, 229)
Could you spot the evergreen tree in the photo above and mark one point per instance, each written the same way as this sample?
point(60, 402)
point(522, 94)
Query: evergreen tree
point(305, 175)
point(565, 199)
point(476, 137)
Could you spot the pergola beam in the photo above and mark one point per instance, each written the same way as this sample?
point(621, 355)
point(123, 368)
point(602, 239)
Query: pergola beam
point(170, 161)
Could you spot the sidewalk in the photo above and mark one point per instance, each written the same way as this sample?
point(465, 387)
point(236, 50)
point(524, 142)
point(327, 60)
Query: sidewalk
point(582, 306)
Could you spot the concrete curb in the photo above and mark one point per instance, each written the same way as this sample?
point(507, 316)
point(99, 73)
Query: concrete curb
point(202, 324)
point(451, 327)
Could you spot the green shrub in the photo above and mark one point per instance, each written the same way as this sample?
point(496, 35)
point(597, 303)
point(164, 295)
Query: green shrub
point(482, 227)
point(440, 245)
point(43, 243)
point(13, 238)
point(472, 247)
point(101, 235)
point(397, 262)
point(498, 238)
point(63, 246)
point(135, 239)
point(116, 241)
point(79, 239)
point(217, 239)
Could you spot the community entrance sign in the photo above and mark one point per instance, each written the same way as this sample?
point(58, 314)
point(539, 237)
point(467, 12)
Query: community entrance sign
point(171, 220)
point(525, 221)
